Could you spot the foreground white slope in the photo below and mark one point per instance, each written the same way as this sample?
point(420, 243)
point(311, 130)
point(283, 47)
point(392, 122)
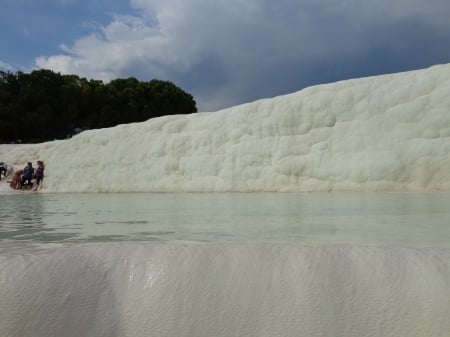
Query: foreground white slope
point(389, 133)
point(267, 290)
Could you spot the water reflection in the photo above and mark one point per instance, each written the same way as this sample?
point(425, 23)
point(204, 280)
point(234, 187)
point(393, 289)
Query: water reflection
point(416, 218)
point(21, 216)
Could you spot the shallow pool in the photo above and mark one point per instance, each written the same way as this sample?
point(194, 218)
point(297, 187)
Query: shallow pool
point(316, 217)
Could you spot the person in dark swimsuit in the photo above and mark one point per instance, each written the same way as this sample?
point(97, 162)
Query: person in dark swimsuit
point(39, 174)
point(3, 169)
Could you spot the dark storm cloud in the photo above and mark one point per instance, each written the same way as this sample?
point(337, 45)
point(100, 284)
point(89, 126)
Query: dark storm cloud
point(235, 51)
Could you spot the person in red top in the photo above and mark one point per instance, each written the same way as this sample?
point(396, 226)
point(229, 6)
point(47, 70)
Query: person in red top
point(16, 181)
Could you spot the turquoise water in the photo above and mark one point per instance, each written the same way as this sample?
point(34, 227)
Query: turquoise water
point(254, 217)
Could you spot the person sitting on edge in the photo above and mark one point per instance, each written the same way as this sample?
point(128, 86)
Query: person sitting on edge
point(15, 181)
point(39, 175)
point(3, 169)
point(28, 173)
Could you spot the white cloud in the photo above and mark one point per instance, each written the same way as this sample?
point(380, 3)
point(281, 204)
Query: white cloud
point(6, 67)
point(237, 44)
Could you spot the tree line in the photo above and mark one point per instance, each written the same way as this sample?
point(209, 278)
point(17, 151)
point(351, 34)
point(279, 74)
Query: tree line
point(44, 105)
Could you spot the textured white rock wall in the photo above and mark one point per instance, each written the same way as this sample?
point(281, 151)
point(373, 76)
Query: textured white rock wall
point(385, 133)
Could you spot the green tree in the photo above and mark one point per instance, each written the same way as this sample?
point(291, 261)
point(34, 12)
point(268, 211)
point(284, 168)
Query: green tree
point(44, 105)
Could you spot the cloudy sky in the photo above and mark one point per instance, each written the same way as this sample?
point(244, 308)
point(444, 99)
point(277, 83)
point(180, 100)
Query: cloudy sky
point(225, 52)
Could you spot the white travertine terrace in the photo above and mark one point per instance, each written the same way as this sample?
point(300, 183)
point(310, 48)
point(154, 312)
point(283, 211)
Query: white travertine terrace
point(384, 133)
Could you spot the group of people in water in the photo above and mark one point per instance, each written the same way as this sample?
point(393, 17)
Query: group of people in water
point(23, 179)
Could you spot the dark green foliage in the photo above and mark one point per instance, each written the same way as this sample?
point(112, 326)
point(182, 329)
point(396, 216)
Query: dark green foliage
point(45, 105)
